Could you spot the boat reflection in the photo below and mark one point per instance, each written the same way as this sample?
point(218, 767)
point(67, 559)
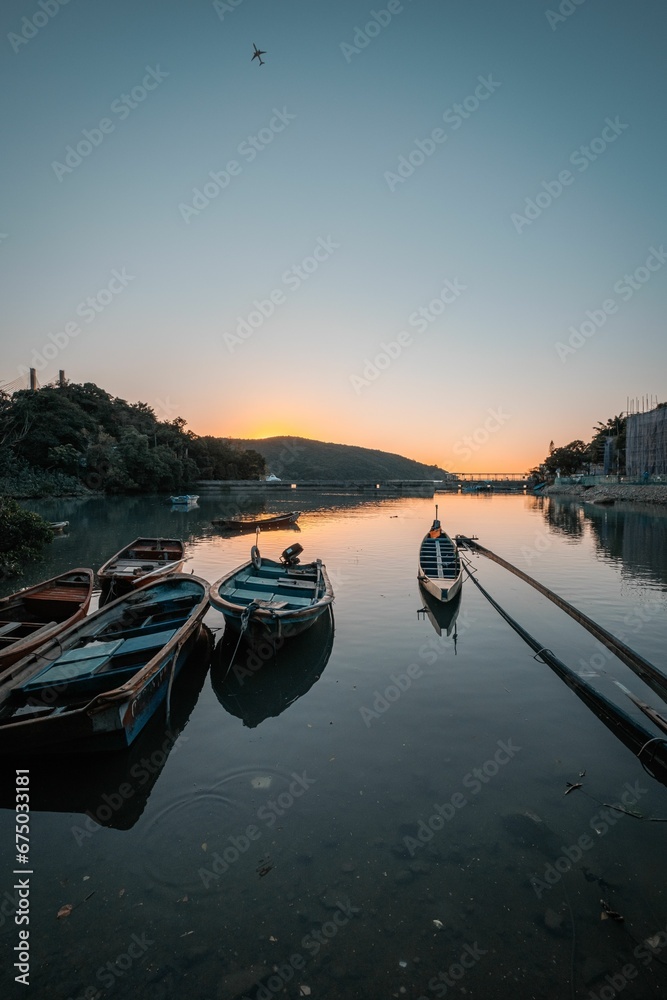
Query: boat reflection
point(112, 789)
point(255, 687)
point(442, 616)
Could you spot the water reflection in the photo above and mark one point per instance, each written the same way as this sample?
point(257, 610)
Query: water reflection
point(254, 688)
point(113, 788)
point(442, 616)
point(636, 539)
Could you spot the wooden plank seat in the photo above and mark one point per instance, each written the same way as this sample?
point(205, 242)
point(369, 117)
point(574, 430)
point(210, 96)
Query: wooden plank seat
point(79, 670)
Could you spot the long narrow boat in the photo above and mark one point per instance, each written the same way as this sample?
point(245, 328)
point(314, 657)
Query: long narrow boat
point(440, 569)
point(33, 615)
point(252, 523)
point(96, 685)
point(265, 599)
point(145, 559)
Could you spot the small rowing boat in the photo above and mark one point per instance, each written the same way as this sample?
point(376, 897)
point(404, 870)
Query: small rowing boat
point(144, 560)
point(36, 614)
point(57, 527)
point(266, 599)
point(252, 523)
point(187, 500)
point(96, 685)
point(440, 570)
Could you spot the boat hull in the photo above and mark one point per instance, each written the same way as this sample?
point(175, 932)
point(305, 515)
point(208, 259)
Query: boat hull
point(143, 561)
point(251, 524)
point(440, 571)
point(284, 611)
point(113, 718)
point(442, 590)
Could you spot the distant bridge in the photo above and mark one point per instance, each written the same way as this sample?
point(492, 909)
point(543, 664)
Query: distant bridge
point(498, 480)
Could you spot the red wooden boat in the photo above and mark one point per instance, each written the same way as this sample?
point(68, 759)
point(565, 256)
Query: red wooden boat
point(36, 614)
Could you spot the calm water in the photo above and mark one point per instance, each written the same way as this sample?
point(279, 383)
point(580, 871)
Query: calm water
point(381, 812)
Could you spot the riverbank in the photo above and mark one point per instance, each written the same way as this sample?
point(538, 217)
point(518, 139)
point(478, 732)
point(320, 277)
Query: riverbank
point(629, 492)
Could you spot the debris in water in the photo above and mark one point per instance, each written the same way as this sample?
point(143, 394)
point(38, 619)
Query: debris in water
point(304, 991)
point(582, 774)
point(439, 924)
point(609, 914)
point(264, 781)
point(572, 787)
point(65, 910)
point(403, 964)
point(272, 938)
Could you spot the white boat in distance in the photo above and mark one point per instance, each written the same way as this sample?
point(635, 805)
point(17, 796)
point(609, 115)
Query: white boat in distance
point(440, 570)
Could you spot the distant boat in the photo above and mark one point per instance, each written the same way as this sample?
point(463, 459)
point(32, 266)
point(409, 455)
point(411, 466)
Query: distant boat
point(58, 526)
point(605, 501)
point(265, 599)
point(440, 570)
point(96, 685)
point(145, 559)
point(272, 479)
point(252, 523)
point(36, 614)
point(187, 500)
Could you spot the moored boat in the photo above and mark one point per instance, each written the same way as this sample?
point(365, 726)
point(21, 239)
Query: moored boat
point(440, 570)
point(96, 685)
point(57, 527)
point(441, 616)
point(266, 599)
point(186, 500)
point(36, 614)
point(252, 523)
point(145, 559)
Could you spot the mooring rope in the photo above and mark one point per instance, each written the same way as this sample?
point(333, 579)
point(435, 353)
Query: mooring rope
point(650, 674)
point(638, 736)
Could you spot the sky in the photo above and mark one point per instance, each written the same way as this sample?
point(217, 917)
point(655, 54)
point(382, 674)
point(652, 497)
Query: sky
point(431, 227)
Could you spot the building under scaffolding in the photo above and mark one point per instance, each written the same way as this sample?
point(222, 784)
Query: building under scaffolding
point(646, 443)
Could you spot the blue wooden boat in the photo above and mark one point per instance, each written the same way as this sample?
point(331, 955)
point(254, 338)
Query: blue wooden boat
point(265, 599)
point(186, 500)
point(98, 683)
point(440, 571)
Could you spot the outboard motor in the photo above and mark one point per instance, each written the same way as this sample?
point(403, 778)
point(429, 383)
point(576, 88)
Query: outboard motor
point(290, 557)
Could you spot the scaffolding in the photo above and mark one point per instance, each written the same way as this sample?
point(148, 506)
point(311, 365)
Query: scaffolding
point(646, 443)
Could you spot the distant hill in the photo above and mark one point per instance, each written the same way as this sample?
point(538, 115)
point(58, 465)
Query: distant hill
point(301, 458)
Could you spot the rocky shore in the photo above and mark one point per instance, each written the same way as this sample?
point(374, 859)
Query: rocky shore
point(627, 492)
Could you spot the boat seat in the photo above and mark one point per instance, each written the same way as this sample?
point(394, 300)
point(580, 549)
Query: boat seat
point(285, 581)
point(6, 627)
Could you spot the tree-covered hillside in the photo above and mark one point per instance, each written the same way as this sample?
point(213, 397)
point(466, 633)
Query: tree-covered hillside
point(301, 458)
point(64, 438)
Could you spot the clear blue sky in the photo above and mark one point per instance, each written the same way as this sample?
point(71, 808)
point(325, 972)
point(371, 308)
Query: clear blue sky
point(314, 212)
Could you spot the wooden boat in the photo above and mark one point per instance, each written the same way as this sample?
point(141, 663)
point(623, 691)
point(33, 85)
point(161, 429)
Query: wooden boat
point(33, 615)
point(264, 599)
point(440, 570)
point(145, 559)
point(252, 523)
point(96, 685)
point(187, 500)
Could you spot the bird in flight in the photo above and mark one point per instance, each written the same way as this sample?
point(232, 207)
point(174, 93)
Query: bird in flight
point(258, 54)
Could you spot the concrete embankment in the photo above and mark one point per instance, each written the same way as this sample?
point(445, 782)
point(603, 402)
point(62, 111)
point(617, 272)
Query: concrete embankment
point(620, 492)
